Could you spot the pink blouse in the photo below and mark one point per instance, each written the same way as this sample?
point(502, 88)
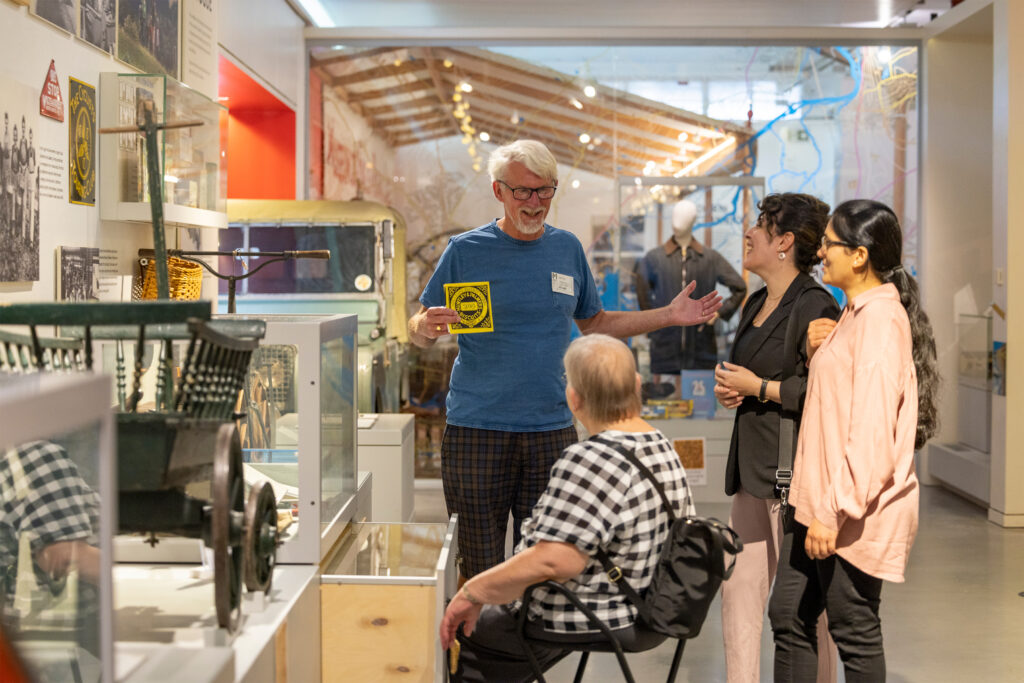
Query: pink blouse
point(854, 465)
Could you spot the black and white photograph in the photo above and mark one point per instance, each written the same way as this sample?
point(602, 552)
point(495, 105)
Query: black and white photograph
point(99, 25)
point(19, 182)
point(62, 13)
point(147, 35)
point(78, 270)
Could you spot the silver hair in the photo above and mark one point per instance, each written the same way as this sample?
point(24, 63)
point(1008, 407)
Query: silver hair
point(530, 153)
point(602, 370)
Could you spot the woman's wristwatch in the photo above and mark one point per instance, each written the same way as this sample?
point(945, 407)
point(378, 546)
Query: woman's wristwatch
point(762, 395)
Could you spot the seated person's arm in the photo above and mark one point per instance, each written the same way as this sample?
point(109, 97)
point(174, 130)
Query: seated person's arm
point(546, 560)
point(507, 581)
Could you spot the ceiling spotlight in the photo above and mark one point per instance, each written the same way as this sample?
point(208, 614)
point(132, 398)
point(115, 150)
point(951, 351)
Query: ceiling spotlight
point(683, 136)
point(576, 103)
point(447, 63)
point(465, 87)
point(457, 97)
point(485, 136)
point(589, 90)
point(575, 184)
point(584, 138)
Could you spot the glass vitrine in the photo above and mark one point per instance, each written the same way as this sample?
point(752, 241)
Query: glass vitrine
point(56, 521)
point(192, 162)
point(299, 432)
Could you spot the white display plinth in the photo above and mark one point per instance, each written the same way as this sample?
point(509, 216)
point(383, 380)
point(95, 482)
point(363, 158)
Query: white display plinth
point(161, 606)
point(385, 448)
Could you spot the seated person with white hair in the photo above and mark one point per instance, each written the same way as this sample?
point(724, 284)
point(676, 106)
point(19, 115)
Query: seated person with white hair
point(595, 499)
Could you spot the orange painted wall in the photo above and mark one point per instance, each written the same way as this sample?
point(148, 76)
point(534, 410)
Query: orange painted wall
point(261, 154)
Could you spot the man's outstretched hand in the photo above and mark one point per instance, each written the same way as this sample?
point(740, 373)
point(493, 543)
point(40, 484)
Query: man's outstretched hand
point(687, 311)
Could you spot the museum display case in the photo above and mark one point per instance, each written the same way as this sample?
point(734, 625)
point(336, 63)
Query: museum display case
point(57, 456)
point(299, 432)
point(974, 381)
point(383, 592)
point(192, 159)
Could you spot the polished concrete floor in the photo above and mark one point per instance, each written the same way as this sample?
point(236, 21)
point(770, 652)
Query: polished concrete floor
point(958, 617)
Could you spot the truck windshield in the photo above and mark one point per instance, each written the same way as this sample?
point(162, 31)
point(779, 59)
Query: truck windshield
point(350, 269)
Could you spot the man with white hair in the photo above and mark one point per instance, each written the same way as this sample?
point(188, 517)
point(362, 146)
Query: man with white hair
point(596, 499)
point(507, 417)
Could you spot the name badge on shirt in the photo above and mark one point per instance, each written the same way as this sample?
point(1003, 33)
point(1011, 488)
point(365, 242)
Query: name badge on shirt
point(562, 284)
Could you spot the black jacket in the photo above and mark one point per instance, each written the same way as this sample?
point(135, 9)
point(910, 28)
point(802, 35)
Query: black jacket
point(659, 278)
point(754, 450)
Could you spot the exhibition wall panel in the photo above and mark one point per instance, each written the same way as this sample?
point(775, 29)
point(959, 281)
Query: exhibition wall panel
point(27, 46)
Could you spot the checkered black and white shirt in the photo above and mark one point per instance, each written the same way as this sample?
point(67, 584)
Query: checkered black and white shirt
point(43, 495)
point(596, 498)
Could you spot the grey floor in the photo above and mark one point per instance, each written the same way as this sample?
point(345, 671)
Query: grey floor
point(958, 617)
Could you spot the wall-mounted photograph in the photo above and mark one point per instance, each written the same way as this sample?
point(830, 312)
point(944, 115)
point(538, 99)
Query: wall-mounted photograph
point(19, 183)
point(62, 13)
point(147, 35)
point(99, 25)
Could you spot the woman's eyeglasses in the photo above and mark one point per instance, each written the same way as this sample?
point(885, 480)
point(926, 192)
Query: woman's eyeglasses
point(827, 244)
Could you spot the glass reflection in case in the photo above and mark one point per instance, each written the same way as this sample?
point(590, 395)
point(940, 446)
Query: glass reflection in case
point(299, 432)
point(56, 522)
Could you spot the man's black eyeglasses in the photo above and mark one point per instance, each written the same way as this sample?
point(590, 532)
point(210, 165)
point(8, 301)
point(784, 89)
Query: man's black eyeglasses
point(523, 194)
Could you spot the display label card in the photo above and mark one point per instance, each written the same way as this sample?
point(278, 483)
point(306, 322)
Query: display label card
point(472, 301)
point(51, 102)
point(562, 284)
point(691, 455)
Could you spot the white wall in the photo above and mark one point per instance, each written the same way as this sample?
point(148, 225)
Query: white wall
point(27, 45)
point(956, 194)
point(265, 36)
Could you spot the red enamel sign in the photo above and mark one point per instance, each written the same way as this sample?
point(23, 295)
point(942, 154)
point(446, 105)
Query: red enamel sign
point(50, 101)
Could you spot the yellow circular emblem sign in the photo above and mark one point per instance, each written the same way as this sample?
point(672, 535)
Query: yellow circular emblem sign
point(470, 304)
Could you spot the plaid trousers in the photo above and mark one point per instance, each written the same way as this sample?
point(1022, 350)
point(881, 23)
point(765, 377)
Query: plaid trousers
point(487, 474)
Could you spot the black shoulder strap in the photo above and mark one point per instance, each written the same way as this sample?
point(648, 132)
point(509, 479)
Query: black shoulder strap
point(615, 573)
point(787, 421)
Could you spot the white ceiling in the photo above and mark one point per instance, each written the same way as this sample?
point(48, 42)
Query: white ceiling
point(613, 13)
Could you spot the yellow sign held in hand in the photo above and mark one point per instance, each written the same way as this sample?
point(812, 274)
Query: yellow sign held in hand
point(472, 301)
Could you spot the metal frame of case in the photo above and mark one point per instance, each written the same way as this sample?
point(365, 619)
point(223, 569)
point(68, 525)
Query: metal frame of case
point(40, 406)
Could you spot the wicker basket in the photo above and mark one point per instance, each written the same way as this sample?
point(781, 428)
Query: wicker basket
point(184, 277)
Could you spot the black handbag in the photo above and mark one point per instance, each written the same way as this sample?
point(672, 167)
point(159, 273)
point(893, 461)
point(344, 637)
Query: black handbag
point(690, 568)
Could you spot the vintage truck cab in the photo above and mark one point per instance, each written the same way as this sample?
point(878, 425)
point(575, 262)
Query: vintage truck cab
point(364, 276)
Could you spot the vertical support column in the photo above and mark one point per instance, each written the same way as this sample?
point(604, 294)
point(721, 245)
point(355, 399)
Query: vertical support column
point(709, 214)
point(1006, 506)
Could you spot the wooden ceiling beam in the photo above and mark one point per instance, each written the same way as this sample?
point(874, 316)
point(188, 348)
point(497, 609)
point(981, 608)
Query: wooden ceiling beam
point(656, 113)
point(385, 71)
point(354, 56)
point(629, 145)
point(592, 116)
point(396, 108)
point(436, 80)
point(407, 118)
point(401, 89)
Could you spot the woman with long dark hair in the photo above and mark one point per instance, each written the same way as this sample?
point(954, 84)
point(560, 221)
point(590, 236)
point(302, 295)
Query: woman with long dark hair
point(765, 380)
point(870, 404)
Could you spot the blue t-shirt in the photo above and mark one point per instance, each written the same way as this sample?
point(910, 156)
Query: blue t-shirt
point(512, 379)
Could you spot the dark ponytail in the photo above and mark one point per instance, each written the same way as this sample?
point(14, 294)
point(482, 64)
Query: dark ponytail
point(874, 226)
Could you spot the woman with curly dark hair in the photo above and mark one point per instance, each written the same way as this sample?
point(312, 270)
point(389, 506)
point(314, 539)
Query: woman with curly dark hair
point(870, 404)
point(765, 381)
